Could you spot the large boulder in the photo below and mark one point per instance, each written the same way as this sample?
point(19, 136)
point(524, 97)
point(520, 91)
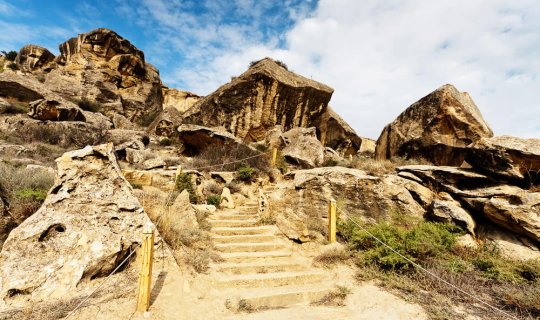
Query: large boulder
point(438, 127)
point(265, 95)
point(338, 134)
point(179, 99)
point(166, 122)
point(195, 138)
point(54, 110)
point(88, 224)
point(303, 148)
point(103, 67)
point(506, 156)
point(32, 57)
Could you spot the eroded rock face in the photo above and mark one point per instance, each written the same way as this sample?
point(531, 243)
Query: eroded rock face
point(265, 95)
point(338, 134)
point(506, 156)
point(32, 57)
point(88, 223)
point(102, 66)
point(7, 222)
point(179, 99)
point(54, 110)
point(438, 127)
point(303, 148)
point(167, 122)
point(197, 138)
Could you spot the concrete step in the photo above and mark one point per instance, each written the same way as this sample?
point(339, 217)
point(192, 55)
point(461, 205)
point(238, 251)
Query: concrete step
point(233, 216)
point(233, 223)
point(280, 297)
point(250, 247)
point(255, 238)
point(254, 256)
point(260, 267)
point(236, 231)
point(277, 279)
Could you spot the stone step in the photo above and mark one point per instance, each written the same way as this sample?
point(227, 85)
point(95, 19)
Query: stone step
point(250, 247)
point(255, 238)
point(254, 256)
point(233, 223)
point(236, 231)
point(281, 297)
point(276, 279)
point(260, 267)
point(232, 216)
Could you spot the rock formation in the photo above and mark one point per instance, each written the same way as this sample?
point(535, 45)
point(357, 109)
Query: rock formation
point(54, 110)
point(509, 157)
point(179, 99)
point(337, 134)
point(197, 138)
point(265, 95)
point(7, 222)
point(303, 148)
point(438, 127)
point(32, 57)
point(87, 225)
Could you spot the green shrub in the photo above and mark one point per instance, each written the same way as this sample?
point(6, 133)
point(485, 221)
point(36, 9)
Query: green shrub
point(165, 142)
point(213, 200)
point(424, 240)
point(13, 66)
point(245, 174)
point(184, 182)
point(15, 108)
point(11, 55)
point(88, 105)
point(32, 193)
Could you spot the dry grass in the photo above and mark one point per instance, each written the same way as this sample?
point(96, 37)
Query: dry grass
point(218, 155)
point(332, 257)
point(336, 297)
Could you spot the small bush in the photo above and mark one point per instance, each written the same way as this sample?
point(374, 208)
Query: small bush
point(282, 64)
point(11, 55)
point(213, 200)
point(32, 194)
point(15, 108)
point(184, 182)
point(245, 174)
point(165, 142)
point(88, 105)
point(13, 66)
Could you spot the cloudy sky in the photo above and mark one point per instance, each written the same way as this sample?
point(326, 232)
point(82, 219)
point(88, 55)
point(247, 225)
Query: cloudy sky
point(379, 56)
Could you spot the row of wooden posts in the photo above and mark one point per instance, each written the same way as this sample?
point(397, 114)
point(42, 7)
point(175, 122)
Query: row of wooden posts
point(147, 250)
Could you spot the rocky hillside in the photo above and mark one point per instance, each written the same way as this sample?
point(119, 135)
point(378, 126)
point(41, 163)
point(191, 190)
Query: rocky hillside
point(125, 151)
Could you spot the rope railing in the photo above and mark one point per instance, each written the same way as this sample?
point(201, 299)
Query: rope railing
point(133, 249)
point(428, 272)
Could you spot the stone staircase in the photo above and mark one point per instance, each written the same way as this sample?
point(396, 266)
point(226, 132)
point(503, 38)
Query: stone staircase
point(260, 269)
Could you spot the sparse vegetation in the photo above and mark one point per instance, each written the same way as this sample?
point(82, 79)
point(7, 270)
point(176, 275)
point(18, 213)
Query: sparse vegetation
point(10, 55)
point(165, 142)
point(381, 167)
point(332, 257)
point(510, 285)
point(214, 200)
point(13, 66)
point(336, 297)
point(89, 105)
point(184, 182)
point(219, 157)
point(245, 174)
point(15, 108)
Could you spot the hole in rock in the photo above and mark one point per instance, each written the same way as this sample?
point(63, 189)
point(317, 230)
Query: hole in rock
point(52, 231)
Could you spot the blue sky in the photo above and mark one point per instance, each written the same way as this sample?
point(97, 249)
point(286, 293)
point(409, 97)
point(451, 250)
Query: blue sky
point(379, 56)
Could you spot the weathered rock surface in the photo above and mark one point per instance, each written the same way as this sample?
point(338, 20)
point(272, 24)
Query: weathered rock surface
point(88, 223)
point(179, 99)
point(265, 95)
point(54, 110)
point(507, 156)
point(303, 148)
point(226, 199)
point(367, 148)
point(7, 222)
point(197, 138)
point(166, 122)
point(102, 66)
point(338, 134)
point(438, 127)
point(153, 163)
point(448, 211)
point(32, 57)
point(360, 193)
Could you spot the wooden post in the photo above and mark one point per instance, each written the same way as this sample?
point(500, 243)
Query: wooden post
point(145, 275)
point(274, 157)
point(332, 221)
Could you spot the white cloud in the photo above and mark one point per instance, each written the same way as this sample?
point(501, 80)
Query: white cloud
point(382, 56)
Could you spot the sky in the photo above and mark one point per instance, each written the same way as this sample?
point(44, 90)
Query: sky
point(380, 56)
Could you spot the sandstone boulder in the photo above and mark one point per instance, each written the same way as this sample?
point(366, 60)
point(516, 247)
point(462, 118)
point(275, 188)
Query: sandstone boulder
point(54, 110)
point(265, 95)
point(87, 225)
point(105, 68)
point(274, 137)
point(32, 57)
point(337, 134)
point(303, 148)
point(506, 156)
point(226, 199)
point(223, 176)
point(197, 138)
point(438, 127)
point(153, 163)
point(367, 148)
point(449, 210)
point(166, 122)
point(179, 99)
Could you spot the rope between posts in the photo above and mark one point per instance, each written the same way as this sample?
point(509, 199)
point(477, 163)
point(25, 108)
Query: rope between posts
point(133, 250)
point(416, 265)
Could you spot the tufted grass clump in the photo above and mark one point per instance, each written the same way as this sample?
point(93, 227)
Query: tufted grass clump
point(214, 200)
point(245, 173)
